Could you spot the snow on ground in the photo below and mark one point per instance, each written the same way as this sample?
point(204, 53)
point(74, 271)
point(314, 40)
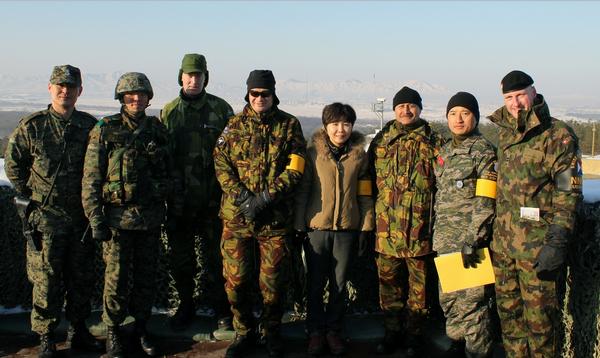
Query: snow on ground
point(3, 179)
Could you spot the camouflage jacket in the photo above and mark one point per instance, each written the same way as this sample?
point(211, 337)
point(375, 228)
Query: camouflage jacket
point(532, 151)
point(40, 142)
point(464, 214)
point(125, 183)
point(335, 194)
point(402, 160)
point(254, 152)
point(194, 126)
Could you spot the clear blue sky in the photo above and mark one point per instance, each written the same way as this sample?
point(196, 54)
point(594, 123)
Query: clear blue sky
point(473, 43)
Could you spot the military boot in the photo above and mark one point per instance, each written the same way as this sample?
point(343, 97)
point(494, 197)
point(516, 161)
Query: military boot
point(47, 346)
point(274, 344)
point(145, 342)
point(240, 346)
point(413, 346)
point(184, 315)
point(79, 337)
point(114, 347)
point(456, 350)
point(389, 343)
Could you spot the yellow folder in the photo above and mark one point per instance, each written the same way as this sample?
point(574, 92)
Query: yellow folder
point(454, 276)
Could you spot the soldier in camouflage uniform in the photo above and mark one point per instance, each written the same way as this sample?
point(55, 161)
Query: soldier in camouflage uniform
point(195, 120)
point(125, 185)
point(44, 161)
point(401, 157)
point(539, 187)
point(464, 211)
point(259, 159)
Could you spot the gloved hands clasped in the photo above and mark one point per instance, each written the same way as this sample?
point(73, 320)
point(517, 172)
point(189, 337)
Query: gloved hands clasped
point(252, 204)
point(469, 255)
point(553, 254)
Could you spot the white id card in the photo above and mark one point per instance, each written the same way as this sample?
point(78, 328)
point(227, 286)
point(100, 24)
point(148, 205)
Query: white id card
point(532, 214)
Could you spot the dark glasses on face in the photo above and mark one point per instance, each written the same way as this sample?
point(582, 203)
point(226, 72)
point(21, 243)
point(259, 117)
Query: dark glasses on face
point(263, 94)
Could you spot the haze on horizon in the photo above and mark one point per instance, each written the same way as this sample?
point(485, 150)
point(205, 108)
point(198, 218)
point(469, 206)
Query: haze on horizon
point(464, 45)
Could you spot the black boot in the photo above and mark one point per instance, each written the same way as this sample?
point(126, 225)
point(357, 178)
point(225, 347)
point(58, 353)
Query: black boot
point(274, 344)
point(114, 347)
point(47, 346)
point(240, 346)
point(456, 350)
point(413, 346)
point(184, 315)
point(145, 341)
point(79, 337)
point(389, 343)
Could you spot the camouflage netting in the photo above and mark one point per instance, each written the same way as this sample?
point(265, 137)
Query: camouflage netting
point(581, 290)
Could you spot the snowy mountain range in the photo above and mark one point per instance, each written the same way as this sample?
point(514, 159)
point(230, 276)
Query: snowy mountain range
point(299, 97)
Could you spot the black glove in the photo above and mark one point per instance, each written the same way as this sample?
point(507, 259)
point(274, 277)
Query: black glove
point(254, 204)
point(101, 233)
point(469, 255)
point(553, 254)
point(364, 242)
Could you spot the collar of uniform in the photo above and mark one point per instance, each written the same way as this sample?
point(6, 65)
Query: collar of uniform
point(129, 120)
point(195, 101)
point(465, 146)
point(57, 116)
point(417, 129)
point(262, 117)
point(529, 120)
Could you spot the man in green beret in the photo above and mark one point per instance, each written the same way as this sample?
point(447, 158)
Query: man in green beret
point(44, 162)
point(195, 119)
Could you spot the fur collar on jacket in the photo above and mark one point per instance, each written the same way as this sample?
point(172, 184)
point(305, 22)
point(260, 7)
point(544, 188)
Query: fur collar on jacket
point(319, 142)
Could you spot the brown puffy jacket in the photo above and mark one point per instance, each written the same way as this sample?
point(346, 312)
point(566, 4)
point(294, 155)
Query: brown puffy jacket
point(335, 195)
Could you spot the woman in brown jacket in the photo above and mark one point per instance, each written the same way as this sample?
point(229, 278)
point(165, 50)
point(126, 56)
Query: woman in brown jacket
point(334, 206)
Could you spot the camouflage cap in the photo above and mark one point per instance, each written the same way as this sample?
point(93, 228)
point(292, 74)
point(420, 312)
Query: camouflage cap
point(133, 82)
point(65, 74)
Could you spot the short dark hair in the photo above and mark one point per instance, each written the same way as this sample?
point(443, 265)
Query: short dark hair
point(338, 112)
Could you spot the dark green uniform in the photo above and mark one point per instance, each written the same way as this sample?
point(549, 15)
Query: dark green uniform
point(402, 157)
point(45, 148)
point(534, 152)
point(194, 124)
point(125, 185)
point(258, 152)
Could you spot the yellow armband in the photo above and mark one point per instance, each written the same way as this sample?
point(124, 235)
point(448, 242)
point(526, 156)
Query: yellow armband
point(296, 163)
point(486, 187)
point(364, 188)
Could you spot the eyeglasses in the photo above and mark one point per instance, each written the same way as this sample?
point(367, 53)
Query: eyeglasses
point(263, 94)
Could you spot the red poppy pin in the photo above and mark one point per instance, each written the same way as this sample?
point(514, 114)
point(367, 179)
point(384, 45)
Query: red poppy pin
point(440, 161)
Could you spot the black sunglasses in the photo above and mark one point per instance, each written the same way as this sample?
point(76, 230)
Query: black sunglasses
point(263, 94)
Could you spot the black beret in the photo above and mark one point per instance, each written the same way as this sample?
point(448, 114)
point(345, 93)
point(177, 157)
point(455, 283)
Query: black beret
point(407, 95)
point(515, 80)
point(464, 99)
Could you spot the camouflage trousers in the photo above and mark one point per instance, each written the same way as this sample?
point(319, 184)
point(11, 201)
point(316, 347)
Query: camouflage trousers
point(60, 271)
point(129, 255)
point(402, 294)
point(239, 257)
point(200, 234)
point(528, 308)
point(467, 315)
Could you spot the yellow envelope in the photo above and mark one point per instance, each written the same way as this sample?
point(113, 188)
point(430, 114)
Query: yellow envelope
point(454, 276)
